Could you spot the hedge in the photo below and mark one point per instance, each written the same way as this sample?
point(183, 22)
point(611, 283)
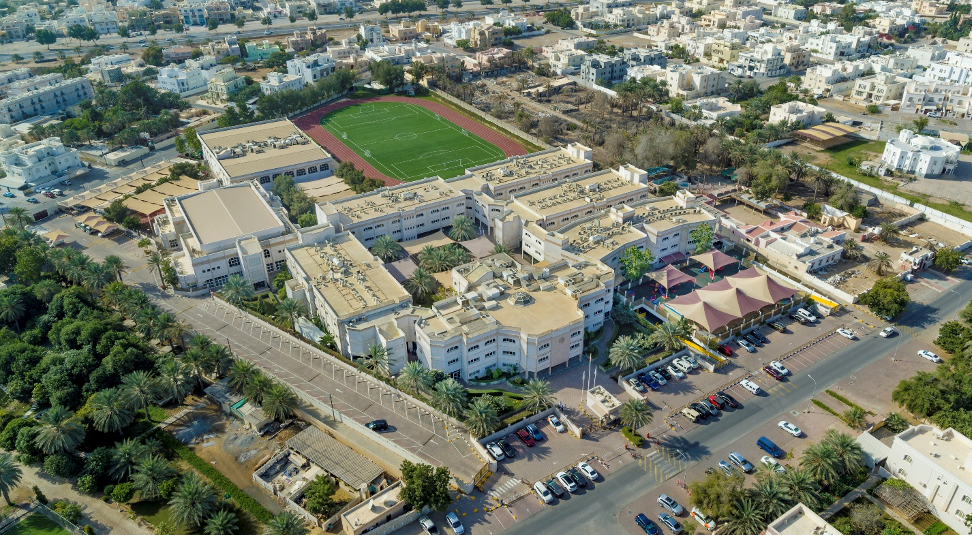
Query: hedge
point(243, 499)
point(824, 406)
point(847, 402)
point(936, 529)
point(632, 437)
point(517, 417)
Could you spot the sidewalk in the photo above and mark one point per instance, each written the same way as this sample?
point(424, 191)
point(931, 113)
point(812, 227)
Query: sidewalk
point(861, 490)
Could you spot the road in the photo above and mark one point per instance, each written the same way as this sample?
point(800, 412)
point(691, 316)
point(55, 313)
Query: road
point(594, 512)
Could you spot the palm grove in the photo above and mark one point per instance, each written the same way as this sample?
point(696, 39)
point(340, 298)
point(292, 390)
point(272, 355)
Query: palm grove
point(84, 348)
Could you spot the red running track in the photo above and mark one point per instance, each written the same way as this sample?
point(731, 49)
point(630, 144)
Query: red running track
point(310, 123)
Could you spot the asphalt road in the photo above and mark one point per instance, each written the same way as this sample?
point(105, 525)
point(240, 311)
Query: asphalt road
point(598, 512)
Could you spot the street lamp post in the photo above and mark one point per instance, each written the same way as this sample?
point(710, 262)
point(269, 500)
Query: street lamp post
point(814, 392)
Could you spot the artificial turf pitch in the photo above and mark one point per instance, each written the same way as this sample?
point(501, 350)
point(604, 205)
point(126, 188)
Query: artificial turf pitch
point(408, 142)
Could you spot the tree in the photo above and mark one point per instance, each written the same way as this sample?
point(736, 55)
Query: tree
point(140, 387)
point(291, 310)
point(481, 417)
point(888, 297)
point(266, 21)
point(635, 414)
point(852, 249)
point(881, 264)
point(158, 261)
point(280, 402)
point(241, 374)
point(311, 14)
point(239, 23)
point(125, 457)
point(866, 518)
point(16, 58)
point(12, 308)
point(716, 493)
point(180, 145)
point(561, 18)
point(425, 486)
point(462, 228)
point(625, 353)
point(59, 432)
point(896, 423)
point(421, 284)
point(115, 265)
point(770, 497)
point(149, 475)
point(801, 487)
point(538, 395)
point(889, 232)
point(223, 522)
point(743, 519)
point(45, 37)
point(953, 337)
point(414, 378)
point(212, 23)
point(10, 475)
point(449, 397)
point(670, 335)
point(259, 385)
point(174, 380)
point(318, 497)
point(387, 249)
point(947, 259)
point(818, 460)
point(287, 523)
point(237, 290)
point(376, 360)
point(193, 501)
point(19, 218)
point(703, 236)
point(635, 262)
point(855, 417)
point(846, 451)
point(110, 410)
point(387, 74)
point(152, 55)
point(38, 56)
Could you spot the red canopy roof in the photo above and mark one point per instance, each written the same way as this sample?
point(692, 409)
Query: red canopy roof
point(669, 276)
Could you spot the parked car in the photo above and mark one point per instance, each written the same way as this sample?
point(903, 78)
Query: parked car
point(669, 503)
point(713, 408)
point(772, 464)
point(925, 354)
point(49, 195)
point(759, 336)
point(496, 451)
point(664, 373)
point(701, 409)
point(65, 182)
point(690, 413)
point(9, 195)
point(377, 425)
point(578, 477)
point(677, 373)
point(752, 387)
point(692, 362)
point(778, 366)
point(773, 373)
point(731, 401)
point(714, 399)
point(542, 492)
point(555, 488)
point(566, 481)
point(658, 378)
point(770, 447)
point(705, 521)
point(777, 326)
point(556, 423)
point(525, 437)
point(746, 344)
point(650, 381)
point(428, 526)
point(799, 319)
point(790, 428)
point(588, 471)
point(752, 339)
point(737, 459)
point(32, 200)
point(682, 365)
point(644, 523)
point(888, 332)
point(534, 432)
point(809, 316)
point(507, 448)
point(727, 468)
point(453, 523)
point(725, 350)
point(670, 522)
point(636, 384)
point(267, 32)
point(847, 333)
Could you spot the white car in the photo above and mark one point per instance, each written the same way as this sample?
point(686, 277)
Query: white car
point(588, 471)
point(496, 451)
point(658, 377)
point(745, 344)
point(543, 492)
point(691, 360)
point(669, 503)
point(779, 367)
point(929, 355)
point(707, 522)
point(847, 333)
point(772, 464)
point(752, 387)
point(682, 365)
point(556, 423)
point(888, 332)
point(790, 428)
point(676, 373)
point(428, 526)
point(453, 523)
point(566, 481)
point(807, 315)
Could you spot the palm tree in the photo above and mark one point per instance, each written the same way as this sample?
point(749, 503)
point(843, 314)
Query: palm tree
point(889, 232)
point(421, 284)
point(462, 228)
point(59, 432)
point(670, 334)
point(449, 397)
point(846, 451)
point(174, 380)
point(852, 249)
point(376, 361)
point(194, 366)
point(140, 388)
point(218, 360)
point(192, 501)
point(481, 418)
point(110, 410)
point(433, 259)
point(818, 460)
point(12, 308)
point(625, 353)
point(158, 261)
point(149, 474)
point(287, 523)
point(880, 264)
point(115, 265)
point(221, 523)
point(744, 519)
point(414, 378)
point(237, 290)
point(45, 290)
point(77, 268)
point(125, 456)
point(500, 248)
point(537, 396)
point(801, 487)
point(174, 331)
point(259, 385)
point(770, 497)
point(387, 249)
point(241, 373)
point(10, 475)
point(635, 414)
point(327, 341)
point(18, 217)
point(291, 309)
point(280, 402)
point(455, 255)
point(855, 417)
point(97, 276)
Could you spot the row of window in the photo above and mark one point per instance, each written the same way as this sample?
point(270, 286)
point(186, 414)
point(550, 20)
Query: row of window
point(266, 179)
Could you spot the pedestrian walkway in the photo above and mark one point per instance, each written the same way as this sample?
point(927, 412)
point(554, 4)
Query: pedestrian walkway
point(848, 498)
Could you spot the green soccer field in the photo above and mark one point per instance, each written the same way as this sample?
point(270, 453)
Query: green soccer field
point(408, 142)
point(36, 524)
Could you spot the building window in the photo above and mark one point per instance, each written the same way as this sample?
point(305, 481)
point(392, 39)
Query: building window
point(490, 354)
point(451, 349)
point(269, 267)
point(312, 169)
point(265, 179)
point(266, 253)
point(966, 499)
point(544, 346)
point(289, 173)
point(473, 348)
point(544, 358)
point(574, 346)
point(326, 167)
point(487, 342)
point(233, 262)
point(575, 335)
point(908, 459)
point(509, 352)
point(301, 172)
point(279, 264)
point(451, 362)
point(902, 473)
point(173, 244)
point(509, 340)
point(473, 361)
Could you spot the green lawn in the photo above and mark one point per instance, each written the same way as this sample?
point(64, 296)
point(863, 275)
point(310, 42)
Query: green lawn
point(37, 524)
point(408, 142)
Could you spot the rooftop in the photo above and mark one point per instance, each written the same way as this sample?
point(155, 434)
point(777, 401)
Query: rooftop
point(575, 193)
point(663, 213)
point(521, 167)
point(947, 449)
point(227, 213)
point(262, 147)
point(399, 198)
point(376, 507)
point(601, 234)
point(337, 459)
point(800, 520)
point(349, 278)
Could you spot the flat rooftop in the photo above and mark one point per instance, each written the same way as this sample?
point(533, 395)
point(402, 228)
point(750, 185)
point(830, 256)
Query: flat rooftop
point(572, 194)
point(227, 213)
point(599, 235)
point(950, 454)
point(526, 166)
point(401, 198)
point(800, 520)
point(349, 278)
point(660, 214)
point(263, 147)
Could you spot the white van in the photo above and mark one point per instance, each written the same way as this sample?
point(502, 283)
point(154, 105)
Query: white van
point(542, 492)
point(806, 314)
point(751, 386)
point(57, 192)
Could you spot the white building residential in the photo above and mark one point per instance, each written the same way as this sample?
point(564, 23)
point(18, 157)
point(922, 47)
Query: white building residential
point(800, 520)
point(311, 68)
point(277, 82)
point(922, 156)
point(797, 112)
point(38, 162)
point(46, 100)
point(936, 463)
point(690, 82)
point(183, 81)
point(943, 97)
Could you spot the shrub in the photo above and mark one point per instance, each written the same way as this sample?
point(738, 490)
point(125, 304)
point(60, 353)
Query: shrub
point(516, 417)
point(88, 530)
point(87, 484)
point(845, 401)
point(61, 465)
point(69, 511)
point(936, 529)
point(123, 492)
point(634, 438)
point(167, 487)
point(108, 489)
point(824, 406)
point(40, 495)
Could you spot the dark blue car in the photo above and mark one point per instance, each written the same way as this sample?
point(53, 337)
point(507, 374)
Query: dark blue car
point(650, 527)
point(648, 381)
point(534, 432)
